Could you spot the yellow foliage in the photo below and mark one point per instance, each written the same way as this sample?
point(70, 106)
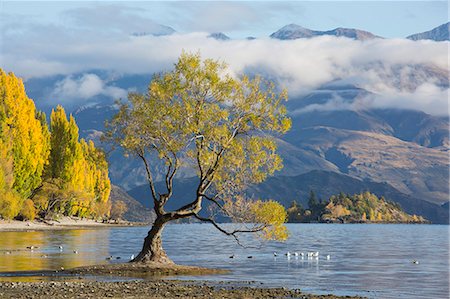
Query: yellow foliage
point(27, 147)
point(28, 211)
point(80, 167)
point(364, 217)
point(19, 122)
point(272, 215)
point(379, 217)
point(10, 204)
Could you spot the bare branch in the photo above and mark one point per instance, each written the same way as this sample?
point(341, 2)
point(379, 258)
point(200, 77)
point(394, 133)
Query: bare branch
point(233, 233)
point(214, 200)
point(141, 155)
point(169, 181)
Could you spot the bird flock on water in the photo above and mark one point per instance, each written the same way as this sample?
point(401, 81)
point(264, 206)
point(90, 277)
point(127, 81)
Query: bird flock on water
point(295, 254)
point(311, 255)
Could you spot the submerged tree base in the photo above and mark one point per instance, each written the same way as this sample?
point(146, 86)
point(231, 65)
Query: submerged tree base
point(143, 270)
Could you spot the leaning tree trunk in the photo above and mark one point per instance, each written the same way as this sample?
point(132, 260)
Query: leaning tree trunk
point(152, 250)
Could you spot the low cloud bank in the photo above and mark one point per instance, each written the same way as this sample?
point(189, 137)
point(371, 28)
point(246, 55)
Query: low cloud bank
point(397, 72)
point(84, 88)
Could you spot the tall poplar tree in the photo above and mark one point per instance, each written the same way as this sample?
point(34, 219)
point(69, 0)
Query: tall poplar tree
point(79, 167)
point(29, 146)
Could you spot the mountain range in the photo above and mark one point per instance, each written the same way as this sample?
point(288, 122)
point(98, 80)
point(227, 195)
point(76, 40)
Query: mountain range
point(336, 144)
point(294, 31)
point(440, 33)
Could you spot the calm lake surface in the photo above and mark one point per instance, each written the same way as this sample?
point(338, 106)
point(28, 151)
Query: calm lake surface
point(369, 260)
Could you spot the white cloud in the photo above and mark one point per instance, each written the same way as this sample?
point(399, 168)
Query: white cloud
point(402, 73)
point(85, 87)
point(427, 97)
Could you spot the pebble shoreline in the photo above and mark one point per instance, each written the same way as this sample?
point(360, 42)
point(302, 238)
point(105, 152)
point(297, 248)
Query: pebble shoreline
point(144, 289)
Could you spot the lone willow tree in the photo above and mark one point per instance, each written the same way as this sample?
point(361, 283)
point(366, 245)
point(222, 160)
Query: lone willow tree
point(221, 128)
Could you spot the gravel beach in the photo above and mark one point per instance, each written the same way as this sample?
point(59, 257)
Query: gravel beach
point(135, 280)
point(144, 289)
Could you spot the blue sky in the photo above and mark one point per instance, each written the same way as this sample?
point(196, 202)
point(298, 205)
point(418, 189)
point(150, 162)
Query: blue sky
point(239, 19)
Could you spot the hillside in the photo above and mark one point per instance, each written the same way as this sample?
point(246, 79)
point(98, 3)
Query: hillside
point(364, 207)
point(285, 189)
point(136, 212)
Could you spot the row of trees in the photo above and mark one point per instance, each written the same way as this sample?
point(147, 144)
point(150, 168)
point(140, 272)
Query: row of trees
point(363, 207)
point(46, 169)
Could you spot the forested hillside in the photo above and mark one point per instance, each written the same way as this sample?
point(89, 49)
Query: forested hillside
point(46, 170)
point(342, 208)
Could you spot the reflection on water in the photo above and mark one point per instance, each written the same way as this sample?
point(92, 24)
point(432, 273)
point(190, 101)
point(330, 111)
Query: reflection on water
point(369, 260)
point(91, 246)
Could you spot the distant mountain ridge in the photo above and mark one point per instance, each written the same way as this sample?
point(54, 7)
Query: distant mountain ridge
point(158, 30)
point(219, 36)
point(293, 31)
point(440, 33)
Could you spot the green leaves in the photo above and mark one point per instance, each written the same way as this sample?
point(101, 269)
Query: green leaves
point(220, 126)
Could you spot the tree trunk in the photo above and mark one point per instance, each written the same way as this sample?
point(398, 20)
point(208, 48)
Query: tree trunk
point(152, 250)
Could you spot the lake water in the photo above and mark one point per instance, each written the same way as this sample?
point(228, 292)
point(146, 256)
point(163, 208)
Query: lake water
point(369, 260)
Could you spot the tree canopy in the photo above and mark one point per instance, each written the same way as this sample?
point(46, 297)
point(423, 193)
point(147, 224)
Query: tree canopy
point(221, 127)
point(44, 170)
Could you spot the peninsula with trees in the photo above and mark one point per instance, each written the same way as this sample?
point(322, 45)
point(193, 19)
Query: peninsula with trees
point(364, 207)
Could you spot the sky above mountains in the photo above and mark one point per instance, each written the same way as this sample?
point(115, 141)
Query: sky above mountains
point(76, 39)
point(237, 19)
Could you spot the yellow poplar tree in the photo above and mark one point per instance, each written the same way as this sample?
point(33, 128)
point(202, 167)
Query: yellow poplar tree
point(29, 147)
point(80, 166)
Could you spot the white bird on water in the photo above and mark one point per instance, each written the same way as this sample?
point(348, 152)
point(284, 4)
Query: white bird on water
point(328, 256)
point(132, 257)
